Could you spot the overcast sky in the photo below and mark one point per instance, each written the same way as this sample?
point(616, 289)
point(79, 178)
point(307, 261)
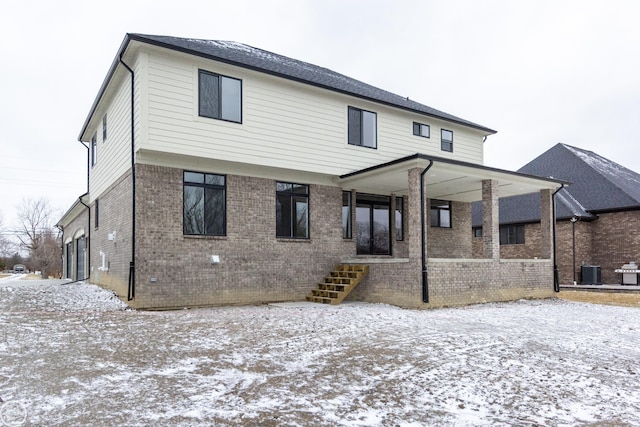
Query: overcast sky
point(538, 72)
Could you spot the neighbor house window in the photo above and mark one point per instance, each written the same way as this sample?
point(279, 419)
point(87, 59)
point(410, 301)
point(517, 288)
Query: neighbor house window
point(420, 129)
point(204, 204)
point(346, 215)
point(362, 128)
point(220, 97)
point(446, 140)
point(440, 213)
point(292, 210)
point(94, 150)
point(512, 234)
point(477, 231)
point(399, 219)
point(97, 212)
point(104, 128)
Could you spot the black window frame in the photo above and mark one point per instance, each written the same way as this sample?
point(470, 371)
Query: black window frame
point(419, 127)
point(211, 187)
point(476, 231)
point(512, 234)
point(104, 128)
point(446, 144)
point(437, 208)
point(220, 100)
point(399, 214)
point(358, 139)
point(292, 193)
point(347, 226)
point(94, 149)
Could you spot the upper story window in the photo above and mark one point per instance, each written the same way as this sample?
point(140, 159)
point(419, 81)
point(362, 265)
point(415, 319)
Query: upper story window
point(477, 231)
point(104, 128)
point(512, 234)
point(94, 150)
point(420, 129)
point(440, 213)
point(292, 210)
point(204, 204)
point(446, 140)
point(220, 97)
point(362, 128)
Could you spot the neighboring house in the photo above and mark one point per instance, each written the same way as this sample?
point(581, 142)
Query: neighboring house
point(598, 215)
point(220, 173)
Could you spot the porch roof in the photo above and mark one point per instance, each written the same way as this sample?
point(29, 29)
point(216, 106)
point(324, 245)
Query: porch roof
point(446, 179)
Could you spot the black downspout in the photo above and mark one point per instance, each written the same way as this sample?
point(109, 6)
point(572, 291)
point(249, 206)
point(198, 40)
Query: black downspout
point(556, 279)
point(88, 233)
point(132, 265)
point(425, 273)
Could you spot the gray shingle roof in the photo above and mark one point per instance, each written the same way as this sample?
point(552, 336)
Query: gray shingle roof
point(598, 185)
point(261, 60)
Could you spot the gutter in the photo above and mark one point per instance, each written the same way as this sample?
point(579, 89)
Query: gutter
point(131, 292)
point(425, 273)
point(556, 279)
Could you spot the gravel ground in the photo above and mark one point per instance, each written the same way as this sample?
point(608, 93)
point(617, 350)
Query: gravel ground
point(73, 355)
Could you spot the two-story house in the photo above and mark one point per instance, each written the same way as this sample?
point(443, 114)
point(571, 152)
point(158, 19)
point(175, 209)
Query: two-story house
point(219, 173)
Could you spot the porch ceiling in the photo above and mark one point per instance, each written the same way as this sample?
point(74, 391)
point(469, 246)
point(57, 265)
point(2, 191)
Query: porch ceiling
point(446, 179)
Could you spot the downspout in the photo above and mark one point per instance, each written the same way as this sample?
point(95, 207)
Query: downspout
point(87, 240)
point(131, 294)
point(425, 274)
point(556, 279)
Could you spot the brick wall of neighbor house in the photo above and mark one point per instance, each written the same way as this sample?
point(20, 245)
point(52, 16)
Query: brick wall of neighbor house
point(454, 242)
point(173, 270)
point(478, 281)
point(114, 216)
point(615, 242)
point(564, 251)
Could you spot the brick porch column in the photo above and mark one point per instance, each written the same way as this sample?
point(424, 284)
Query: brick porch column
point(490, 220)
point(546, 224)
point(413, 226)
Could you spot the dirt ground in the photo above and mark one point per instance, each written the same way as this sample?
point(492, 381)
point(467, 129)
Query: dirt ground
point(607, 298)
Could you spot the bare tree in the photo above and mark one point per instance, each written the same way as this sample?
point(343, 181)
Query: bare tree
point(38, 236)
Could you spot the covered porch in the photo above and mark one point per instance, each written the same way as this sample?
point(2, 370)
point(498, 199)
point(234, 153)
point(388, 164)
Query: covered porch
point(433, 263)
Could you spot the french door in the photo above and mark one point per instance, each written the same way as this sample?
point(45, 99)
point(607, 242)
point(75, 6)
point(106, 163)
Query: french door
point(373, 225)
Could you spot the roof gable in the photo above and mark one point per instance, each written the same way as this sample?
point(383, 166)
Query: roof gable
point(271, 63)
point(598, 184)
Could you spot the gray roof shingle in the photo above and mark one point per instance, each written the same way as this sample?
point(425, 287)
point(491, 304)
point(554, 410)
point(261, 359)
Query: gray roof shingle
point(598, 185)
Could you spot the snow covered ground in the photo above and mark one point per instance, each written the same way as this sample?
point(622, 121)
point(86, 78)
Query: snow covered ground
point(73, 355)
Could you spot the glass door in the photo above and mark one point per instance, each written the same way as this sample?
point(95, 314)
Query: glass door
point(373, 225)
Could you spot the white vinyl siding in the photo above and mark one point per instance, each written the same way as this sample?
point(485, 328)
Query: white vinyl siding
point(115, 155)
point(285, 124)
